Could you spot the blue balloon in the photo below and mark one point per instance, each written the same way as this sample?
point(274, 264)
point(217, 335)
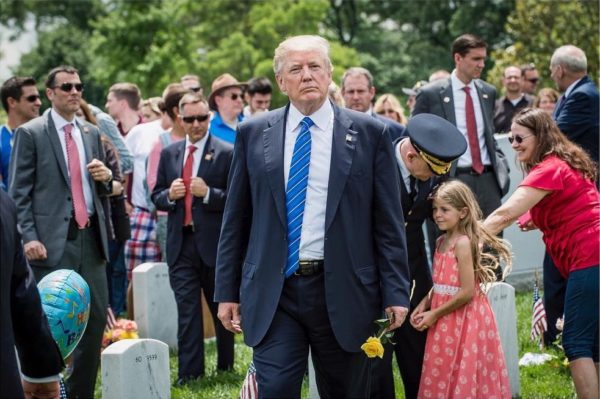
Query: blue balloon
point(66, 300)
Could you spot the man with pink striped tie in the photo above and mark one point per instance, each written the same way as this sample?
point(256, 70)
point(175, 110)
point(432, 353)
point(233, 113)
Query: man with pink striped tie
point(59, 177)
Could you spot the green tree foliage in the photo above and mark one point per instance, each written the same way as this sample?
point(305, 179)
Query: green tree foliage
point(537, 28)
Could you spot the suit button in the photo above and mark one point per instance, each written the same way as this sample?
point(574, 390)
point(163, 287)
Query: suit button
point(66, 219)
point(409, 213)
point(68, 198)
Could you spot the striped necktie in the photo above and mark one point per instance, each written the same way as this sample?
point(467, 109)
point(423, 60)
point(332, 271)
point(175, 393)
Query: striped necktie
point(295, 194)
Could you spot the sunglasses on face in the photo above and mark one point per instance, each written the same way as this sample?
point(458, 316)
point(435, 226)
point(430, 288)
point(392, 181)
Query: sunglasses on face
point(533, 80)
point(67, 87)
point(32, 98)
point(235, 96)
point(191, 119)
point(518, 139)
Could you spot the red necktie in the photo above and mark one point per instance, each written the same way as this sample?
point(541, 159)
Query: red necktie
point(472, 132)
point(187, 179)
point(81, 215)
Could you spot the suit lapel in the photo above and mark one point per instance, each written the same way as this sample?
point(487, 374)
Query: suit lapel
point(207, 158)
point(342, 152)
point(56, 147)
point(87, 140)
point(179, 152)
point(447, 101)
point(273, 140)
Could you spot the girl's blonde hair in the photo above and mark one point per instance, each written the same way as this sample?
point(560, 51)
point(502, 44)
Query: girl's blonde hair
point(460, 196)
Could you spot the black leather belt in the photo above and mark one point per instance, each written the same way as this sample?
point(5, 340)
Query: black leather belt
point(309, 267)
point(469, 170)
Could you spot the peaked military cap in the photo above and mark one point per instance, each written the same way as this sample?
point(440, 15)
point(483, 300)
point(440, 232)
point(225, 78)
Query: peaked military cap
point(438, 141)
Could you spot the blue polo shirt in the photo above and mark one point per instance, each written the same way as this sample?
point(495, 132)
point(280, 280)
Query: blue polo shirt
point(219, 129)
point(6, 142)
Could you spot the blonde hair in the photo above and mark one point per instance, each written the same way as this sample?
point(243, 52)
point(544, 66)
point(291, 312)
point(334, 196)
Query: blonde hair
point(546, 92)
point(459, 196)
point(301, 43)
point(394, 104)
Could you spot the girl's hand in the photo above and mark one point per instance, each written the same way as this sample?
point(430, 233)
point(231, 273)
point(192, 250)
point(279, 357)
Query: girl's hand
point(424, 321)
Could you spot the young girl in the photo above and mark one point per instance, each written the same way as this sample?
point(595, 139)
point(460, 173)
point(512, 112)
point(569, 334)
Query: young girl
point(463, 355)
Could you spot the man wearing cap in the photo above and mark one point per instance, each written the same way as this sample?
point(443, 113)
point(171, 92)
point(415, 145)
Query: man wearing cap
point(468, 103)
point(412, 94)
point(424, 155)
point(227, 103)
point(358, 92)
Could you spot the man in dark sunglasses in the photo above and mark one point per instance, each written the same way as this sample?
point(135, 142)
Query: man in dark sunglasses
point(191, 186)
point(58, 178)
point(531, 77)
point(21, 101)
point(227, 103)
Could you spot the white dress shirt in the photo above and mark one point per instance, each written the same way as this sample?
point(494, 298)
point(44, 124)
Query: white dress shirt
point(60, 123)
point(200, 144)
point(321, 133)
point(461, 120)
point(404, 172)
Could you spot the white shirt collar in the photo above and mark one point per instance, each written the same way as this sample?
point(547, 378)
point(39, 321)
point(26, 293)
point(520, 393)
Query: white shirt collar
point(200, 144)
point(571, 87)
point(458, 84)
point(59, 121)
point(320, 117)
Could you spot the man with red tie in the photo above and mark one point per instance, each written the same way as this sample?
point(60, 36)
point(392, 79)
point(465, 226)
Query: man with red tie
point(468, 103)
point(191, 186)
point(58, 178)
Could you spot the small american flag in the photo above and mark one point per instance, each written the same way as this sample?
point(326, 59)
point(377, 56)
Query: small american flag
point(250, 387)
point(111, 321)
point(538, 318)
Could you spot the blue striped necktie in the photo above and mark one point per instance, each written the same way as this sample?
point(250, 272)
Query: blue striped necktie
point(295, 194)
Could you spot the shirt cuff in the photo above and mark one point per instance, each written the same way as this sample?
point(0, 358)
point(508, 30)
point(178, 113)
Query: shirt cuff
point(51, 378)
point(207, 196)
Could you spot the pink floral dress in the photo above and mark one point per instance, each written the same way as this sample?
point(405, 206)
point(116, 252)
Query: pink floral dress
point(463, 354)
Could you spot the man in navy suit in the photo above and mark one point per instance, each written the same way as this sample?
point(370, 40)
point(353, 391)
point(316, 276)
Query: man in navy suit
point(468, 103)
point(423, 157)
point(321, 284)
point(23, 322)
point(192, 185)
point(576, 115)
point(358, 92)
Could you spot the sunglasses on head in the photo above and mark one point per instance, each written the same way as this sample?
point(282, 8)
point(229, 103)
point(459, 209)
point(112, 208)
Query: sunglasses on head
point(196, 89)
point(518, 139)
point(32, 98)
point(191, 119)
point(67, 87)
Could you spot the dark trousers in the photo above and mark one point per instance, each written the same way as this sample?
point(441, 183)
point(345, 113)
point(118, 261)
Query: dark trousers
point(555, 287)
point(301, 321)
point(486, 190)
point(188, 276)
point(84, 256)
point(117, 277)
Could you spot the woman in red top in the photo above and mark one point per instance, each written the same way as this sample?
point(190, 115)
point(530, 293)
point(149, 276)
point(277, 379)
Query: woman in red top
point(559, 190)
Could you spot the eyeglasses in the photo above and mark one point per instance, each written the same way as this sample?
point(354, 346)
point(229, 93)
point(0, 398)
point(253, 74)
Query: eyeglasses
point(191, 119)
point(235, 96)
point(67, 87)
point(518, 139)
point(533, 80)
point(32, 98)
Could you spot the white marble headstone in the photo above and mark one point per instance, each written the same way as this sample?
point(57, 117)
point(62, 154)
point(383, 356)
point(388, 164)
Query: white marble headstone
point(136, 368)
point(502, 300)
point(154, 303)
point(313, 392)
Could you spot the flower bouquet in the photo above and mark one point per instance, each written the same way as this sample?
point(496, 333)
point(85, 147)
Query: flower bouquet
point(373, 347)
point(119, 330)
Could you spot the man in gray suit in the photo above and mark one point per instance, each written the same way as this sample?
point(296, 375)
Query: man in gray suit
point(59, 176)
point(468, 102)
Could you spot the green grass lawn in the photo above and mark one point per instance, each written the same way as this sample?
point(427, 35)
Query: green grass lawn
point(550, 380)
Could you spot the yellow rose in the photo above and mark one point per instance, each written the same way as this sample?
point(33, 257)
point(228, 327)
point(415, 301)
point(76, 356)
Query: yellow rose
point(373, 347)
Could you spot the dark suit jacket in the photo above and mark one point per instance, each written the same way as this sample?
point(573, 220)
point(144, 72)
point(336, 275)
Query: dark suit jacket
point(437, 98)
point(395, 129)
point(23, 322)
point(578, 116)
point(41, 188)
point(365, 248)
point(214, 169)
